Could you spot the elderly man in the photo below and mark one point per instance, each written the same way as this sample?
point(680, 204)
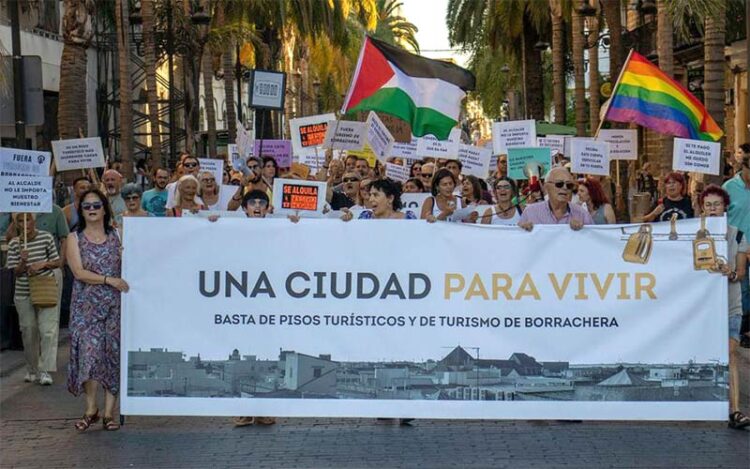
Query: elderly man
point(558, 210)
point(347, 197)
point(426, 174)
point(112, 181)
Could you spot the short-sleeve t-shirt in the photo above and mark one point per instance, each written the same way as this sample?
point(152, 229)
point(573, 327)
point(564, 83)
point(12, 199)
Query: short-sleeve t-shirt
point(53, 223)
point(683, 208)
point(41, 249)
point(155, 202)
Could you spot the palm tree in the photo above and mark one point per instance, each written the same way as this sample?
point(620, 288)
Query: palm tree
point(611, 10)
point(393, 28)
point(126, 93)
point(593, 49)
point(558, 59)
point(579, 42)
point(713, 80)
point(665, 50)
point(149, 58)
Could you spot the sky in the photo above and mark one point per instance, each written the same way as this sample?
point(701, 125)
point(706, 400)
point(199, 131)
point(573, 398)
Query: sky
point(429, 17)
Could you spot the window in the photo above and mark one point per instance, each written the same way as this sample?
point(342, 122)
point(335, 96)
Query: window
point(317, 372)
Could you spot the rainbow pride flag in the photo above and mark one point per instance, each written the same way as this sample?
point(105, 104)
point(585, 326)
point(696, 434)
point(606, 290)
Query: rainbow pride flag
point(646, 96)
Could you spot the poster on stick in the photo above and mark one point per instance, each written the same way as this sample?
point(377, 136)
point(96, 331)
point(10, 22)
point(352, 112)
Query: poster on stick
point(430, 146)
point(309, 134)
point(26, 194)
point(214, 166)
point(623, 143)
point(78, 153)
point(17, 162)
point(397, 172)
point(379, 137)
point(406, 150)
point(520, 158)
point(304, 198)
point(555, 143)
point(513, 134)
point(345, 135)
point(589, 157)
point(279, 150)
point(475, 160)
point(698, 156)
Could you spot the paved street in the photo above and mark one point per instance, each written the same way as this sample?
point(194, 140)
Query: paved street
point(37, 431)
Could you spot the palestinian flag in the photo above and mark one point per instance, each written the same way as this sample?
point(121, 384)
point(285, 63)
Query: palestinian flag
point(423, 92)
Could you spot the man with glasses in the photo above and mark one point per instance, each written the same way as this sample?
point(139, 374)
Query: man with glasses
point(347, 196)
point(559, 186)
point(425, 175)
point(154, 201)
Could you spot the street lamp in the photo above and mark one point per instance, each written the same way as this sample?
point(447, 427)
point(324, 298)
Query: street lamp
point(648, 7)
point(201, 20)
point(541, 46)
point(505, 69)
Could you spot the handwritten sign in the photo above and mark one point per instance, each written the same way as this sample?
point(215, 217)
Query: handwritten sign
point(309, 133)
point(513, 134)
point(555, 143)
point(379, 137)
point(26, 194)
point(475, 160)
point(396, 172)
point(623, 143)
point(244, 141)
point(698, 156)
point(406, 150)
point(589, 157)
point(279, 150)
point(430, 146)
point(345, 135)
point(17, 162)
point(519, 158)
point(214, 166)
point(78, 153)
point(292, 196)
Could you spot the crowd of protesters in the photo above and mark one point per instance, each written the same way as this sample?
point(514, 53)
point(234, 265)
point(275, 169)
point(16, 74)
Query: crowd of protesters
point(83, 237)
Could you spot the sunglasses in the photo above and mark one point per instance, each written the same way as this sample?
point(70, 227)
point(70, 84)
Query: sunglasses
point(260, 202)
point(426, 175)
point(132, 197)
point(345, 180)
point(92, 205)
point(571, 186)
point(189, 165)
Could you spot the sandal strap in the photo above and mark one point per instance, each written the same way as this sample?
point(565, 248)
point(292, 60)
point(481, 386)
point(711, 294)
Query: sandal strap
point(87, 420)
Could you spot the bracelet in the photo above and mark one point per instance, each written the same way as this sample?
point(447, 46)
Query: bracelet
point(732, 276)
point(104, 282)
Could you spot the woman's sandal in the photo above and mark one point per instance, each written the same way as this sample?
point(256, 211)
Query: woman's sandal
point(109, 424)
point(86, 421)
point(738, 420)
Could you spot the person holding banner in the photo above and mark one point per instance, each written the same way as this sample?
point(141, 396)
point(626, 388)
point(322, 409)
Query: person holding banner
point(132, 193)
point(443, 202)
point(33, 254)
point(592, 197)
point(384, 203)
point(185, 197)
point(675, 200)
point(347, 197)
point(209, 191)
point(559, 186)
point(505, 212)
point(714, 201)
point(94, 255)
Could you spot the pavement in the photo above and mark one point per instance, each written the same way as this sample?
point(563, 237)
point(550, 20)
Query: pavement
point(36, 430)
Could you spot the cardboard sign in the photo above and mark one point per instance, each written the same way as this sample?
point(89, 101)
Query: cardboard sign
point(244, 140)
point(513, 134)
point(407, 151)
point(309, 133)
point(78, 153)
point(214, 166)
point(300, 171)
point(475, 160)
point(306, 198)
point(518, 158)
point(623, 143)
point(345, 135)
point(379, 137)
point(26, 194)
point(367, 154)
point(396, 172)
point(697, 156)
point(279, 150)
point(17, 162)
point(429, 145)
point(555, 143)
point(589, 156)
point(414, 202)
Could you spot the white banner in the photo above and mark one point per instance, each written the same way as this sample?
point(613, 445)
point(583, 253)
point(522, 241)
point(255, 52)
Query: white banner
point(26, 194)
point(623, 143)
point(558, 327)
point(17, 162)
point(511, 134)
point(589, 157)
point(697, 156)
point(78, 153)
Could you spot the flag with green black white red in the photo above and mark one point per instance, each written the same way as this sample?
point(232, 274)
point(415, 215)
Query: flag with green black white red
point(425, 93)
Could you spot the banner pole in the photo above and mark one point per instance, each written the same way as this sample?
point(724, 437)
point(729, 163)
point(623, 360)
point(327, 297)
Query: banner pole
point(614, 91)
point(25, 236)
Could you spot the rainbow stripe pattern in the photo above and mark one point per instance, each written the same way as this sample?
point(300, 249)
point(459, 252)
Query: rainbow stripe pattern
point(646, 96)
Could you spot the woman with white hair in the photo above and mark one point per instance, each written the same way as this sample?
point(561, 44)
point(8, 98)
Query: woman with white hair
point(209, 192)
point(185, 197)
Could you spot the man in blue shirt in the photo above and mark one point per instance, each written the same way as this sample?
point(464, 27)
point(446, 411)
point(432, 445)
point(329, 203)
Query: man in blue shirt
point(154, 200)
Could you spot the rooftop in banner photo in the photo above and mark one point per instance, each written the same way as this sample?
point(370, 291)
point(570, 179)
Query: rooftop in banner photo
point(458, 375)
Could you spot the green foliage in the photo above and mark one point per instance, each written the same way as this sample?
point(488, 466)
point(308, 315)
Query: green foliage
point(395, 29)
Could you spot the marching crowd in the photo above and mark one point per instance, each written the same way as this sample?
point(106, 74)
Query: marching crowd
point(80, 242)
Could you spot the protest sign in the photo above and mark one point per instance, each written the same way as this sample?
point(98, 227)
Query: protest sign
point(518, 158)
point(214, 166)
point(430, 146)
point(623, 143)
point(17, 162)
point(26, 194)
point(365, 153)
point(239, 163)
point(379, 137)
point(406, 150)
point(475, 160)
point(279, 150)
point(555, 143)
point(226, 192)
point(364, 335)
point(698, 156)
point(78, 153)
point(345, 135)
point(589, 157)
point(512, 134)
point(396, 172)
point(244, 140)
point(292, 196)
point(414, 202)
point(309, 133)
point(300, 171)
point(314, 161)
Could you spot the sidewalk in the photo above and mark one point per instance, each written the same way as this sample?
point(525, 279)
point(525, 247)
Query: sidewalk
point(36, 430)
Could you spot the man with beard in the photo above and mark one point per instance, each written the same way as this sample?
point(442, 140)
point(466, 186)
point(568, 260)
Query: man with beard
point(248, 182)
point(347, 197)
point(154, 201)
point(112, 181)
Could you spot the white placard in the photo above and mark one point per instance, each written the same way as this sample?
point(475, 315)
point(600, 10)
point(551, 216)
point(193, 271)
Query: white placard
point(226, 193)
point(589, 157)
point(309, 133)
point(623, 143)
point(379, 137)
point(413, 202)
point(26, 194)
point(313, 161)
point(17, 162)
point(345, 135)
point(697, 156)
point(78, 153)
point(406, 150)
point(267, 89)
point(430, 146)
point(214, 166)
point(397, 172)
point(245, 141)
point(475, 160)
point(509, 134)
point(293, 196)
point(555, 143)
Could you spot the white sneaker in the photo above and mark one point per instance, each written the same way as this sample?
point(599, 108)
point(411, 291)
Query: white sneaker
point(45, 379)
point(30, 377)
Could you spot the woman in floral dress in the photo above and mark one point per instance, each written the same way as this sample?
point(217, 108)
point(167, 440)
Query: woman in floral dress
point(94, 257)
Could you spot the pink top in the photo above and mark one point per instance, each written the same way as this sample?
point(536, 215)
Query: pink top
point(540, 213)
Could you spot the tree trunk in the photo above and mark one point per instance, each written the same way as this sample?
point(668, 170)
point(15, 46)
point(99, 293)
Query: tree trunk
point(228, 66)
point(558, 60)
point(149, 57)
point(208, 92)
point(77, 34)
point(594, 76)
point(534, 75)
point(665, 50)
point(611, 9)
point(578, 68)
point(713, 83)
point(126, 93)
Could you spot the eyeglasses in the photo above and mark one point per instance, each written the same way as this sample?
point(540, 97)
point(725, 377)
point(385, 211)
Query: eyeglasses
point(92, 205)
point(260, 202)
point(571, 186)
point(189, 165)
point(345, 180)
point(132, 197)
point(503, 187)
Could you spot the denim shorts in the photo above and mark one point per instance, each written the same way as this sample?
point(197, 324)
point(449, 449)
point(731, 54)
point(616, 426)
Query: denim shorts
point(735, 321)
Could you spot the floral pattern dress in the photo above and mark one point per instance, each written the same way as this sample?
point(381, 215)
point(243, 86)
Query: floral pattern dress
point(95, 319)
